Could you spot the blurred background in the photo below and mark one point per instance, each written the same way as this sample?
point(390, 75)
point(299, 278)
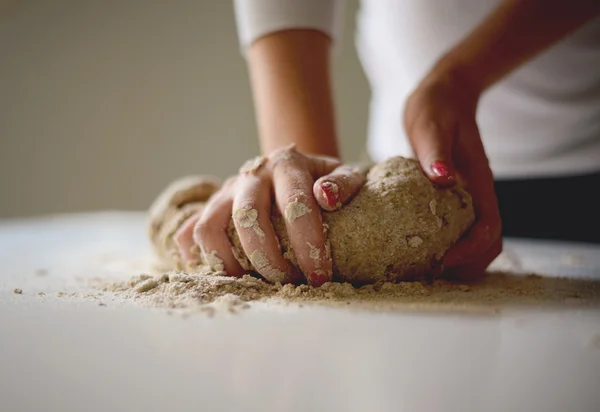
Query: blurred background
point(104, 102)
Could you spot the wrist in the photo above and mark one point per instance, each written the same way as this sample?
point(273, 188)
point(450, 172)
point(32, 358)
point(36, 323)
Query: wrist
point(290, 77)
point(460, 75)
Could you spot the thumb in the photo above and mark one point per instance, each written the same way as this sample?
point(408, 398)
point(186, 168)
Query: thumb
point(338, 187)
point(432, 145)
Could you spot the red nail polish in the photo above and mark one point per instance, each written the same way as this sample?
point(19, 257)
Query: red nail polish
point(318, 279)
point(440, 169)
point(331, 192)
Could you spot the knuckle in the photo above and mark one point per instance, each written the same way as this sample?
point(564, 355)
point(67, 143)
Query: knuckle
point(285, 154)
point(296, 196)
point(344, 176)
point(244, 205)
point(253, 165)
point(203, 230)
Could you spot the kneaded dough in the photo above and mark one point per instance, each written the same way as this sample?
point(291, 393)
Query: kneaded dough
point(176, 203)
point(397, 227)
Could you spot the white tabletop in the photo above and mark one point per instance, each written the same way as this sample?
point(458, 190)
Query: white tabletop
point(70, 354)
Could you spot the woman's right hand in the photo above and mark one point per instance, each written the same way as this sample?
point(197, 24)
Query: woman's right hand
point(301, 185)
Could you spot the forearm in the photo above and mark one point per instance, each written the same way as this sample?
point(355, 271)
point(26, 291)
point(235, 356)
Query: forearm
point(290, 77)
point(514, 32)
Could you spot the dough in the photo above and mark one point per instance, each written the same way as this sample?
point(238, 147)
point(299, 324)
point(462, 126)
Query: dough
point(177, 202)
point(397, 227)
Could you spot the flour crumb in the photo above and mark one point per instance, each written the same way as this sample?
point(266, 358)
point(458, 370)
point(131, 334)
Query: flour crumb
point(261, 263)
point(252, 165)
point(433, 207)
point(295, 209)
point(246, 217)
point(259, 260)
point(41, 294)
point(415, 241)
point(146, 285)
point(214, 261)
point(18, 291)
point(314, 253)
point(328, 250)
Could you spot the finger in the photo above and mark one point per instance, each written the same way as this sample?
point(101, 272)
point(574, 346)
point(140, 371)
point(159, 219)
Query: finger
point(184, 239)
point(337, 188)
point(251, 216)
point(475, 270)
point(210, 234)
point(294, 196)
point(432, 143)
point(487, 228)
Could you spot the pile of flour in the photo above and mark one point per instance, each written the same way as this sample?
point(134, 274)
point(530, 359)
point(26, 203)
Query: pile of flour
point(211, 292)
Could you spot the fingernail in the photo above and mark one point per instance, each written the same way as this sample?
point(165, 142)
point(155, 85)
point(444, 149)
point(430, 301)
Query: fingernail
point(318, 279)
point(440, 169)
point(331, 191)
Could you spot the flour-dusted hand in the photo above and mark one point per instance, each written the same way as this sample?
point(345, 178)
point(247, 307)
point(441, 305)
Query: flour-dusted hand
point(299, 186)
point(440, 122)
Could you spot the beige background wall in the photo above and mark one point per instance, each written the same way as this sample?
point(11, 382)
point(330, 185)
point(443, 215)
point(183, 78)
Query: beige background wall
point(103, 102)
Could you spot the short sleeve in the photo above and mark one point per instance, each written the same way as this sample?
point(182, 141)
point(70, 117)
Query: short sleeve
point(257, 18)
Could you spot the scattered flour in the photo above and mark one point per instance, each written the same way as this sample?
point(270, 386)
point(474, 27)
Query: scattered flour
point(214, 292)
point(214, 261)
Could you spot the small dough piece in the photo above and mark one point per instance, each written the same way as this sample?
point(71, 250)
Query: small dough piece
point(296, 209)
point(253, 165)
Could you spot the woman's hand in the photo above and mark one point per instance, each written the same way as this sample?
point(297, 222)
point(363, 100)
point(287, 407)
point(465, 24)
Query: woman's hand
point(301, 185)
point(439, 118)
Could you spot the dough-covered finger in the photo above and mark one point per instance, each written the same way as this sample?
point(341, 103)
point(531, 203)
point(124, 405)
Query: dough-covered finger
point(210, 234)
point(293, 184)
point(185, 190)
point(184, 239)
point(251, 216)
point(337, 188)
point(176, 203)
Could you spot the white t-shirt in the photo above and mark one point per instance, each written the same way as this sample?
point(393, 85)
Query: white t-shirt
point(541, 120)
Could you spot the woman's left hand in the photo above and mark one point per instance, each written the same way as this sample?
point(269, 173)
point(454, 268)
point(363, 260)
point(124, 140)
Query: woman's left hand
point(439, 119)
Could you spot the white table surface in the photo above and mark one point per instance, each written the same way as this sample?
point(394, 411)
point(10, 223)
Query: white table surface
point(70, 354)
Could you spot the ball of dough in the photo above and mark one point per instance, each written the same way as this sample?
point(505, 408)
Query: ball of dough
point(397, 227)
